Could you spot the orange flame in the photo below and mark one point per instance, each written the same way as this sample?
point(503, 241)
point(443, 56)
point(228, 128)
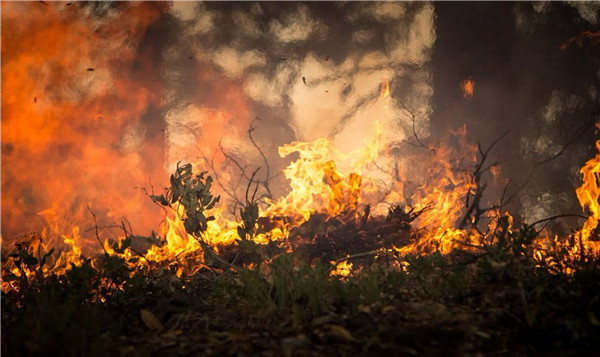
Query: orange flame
point(385, 89)
point(468, 88)
point(84, 142)
point(58, 153)
point(588, 194)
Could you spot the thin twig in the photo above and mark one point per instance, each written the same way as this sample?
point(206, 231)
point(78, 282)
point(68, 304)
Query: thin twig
point(264, 157)
point(413, 118)
point(207, 248)
point(130, 248)
point(359, 255)
point(549, 219)
point(96, 226)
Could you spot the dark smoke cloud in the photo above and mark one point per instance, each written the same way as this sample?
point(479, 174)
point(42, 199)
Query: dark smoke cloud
point(545, 96)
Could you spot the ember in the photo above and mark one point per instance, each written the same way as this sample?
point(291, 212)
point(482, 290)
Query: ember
point(468, 87)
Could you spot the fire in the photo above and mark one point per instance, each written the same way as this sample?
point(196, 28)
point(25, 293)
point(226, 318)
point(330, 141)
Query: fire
point(385, 89)
point(71, 135)
point(588, 194)
point(54, 169)
point(342, 269)
point(316, 183)
point(468, 88)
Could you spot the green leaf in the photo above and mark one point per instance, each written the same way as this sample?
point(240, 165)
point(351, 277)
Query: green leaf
point(202, 221)
point(191, 224)
point(160, 199)
point(241, 232)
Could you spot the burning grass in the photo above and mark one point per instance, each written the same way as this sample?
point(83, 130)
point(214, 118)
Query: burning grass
point(397, 247)
point(502, 300)
point(334, 281)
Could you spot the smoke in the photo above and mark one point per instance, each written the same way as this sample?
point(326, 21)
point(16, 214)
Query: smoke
point(101, 98)
point(76, 96)
point(297, 71)
point(528, 84)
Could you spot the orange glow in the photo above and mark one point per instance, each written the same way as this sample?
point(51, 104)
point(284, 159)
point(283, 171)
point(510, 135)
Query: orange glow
point(79, 150)
point(342, 269)
point(316, 183)
point(588, 194)
point(468, 88)
point(593, 37)
point(385, 89)
point(59, 153)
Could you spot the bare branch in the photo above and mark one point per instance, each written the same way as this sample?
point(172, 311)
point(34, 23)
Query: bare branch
point(96, 226)
point(262, 154)
point(413, 118)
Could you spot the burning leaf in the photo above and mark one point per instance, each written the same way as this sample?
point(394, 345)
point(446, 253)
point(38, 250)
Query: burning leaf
point(151, 321)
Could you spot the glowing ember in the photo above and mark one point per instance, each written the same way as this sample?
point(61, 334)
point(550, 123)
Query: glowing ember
point(593, 37)
point(468, 88)
point(342, 269)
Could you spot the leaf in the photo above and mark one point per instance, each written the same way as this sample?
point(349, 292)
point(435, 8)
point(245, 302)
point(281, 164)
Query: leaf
point(322, 320)
point(241, 232)
point(482, 334)
point(341, 331)
point(160, 199)
point(191, 224)
point(151, 321)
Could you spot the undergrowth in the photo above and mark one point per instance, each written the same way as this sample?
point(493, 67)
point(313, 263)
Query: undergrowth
point(502, 300)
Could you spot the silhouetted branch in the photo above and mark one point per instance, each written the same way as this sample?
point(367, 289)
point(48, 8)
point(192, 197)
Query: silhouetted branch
point(413, 119)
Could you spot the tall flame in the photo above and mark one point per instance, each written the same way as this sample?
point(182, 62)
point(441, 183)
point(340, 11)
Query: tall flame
point(588, 194)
